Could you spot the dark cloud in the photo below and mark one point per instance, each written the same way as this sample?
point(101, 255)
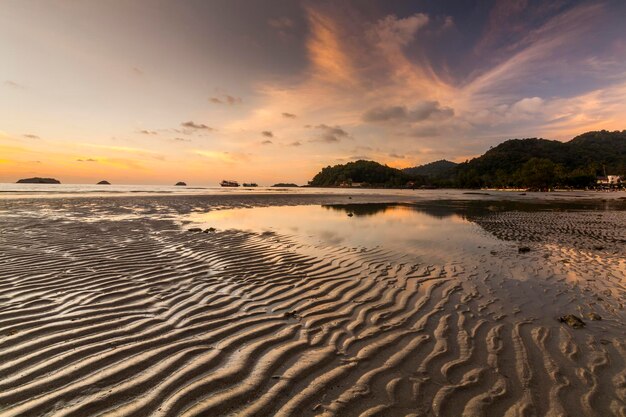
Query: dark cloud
point(267, 134)
point(196, 126)
point(422, 111)
point(86, 160)
point(330, 134)
point(266, 142)
point(31, 136)
point(296, 143)
point(226, 99)
point(148, 132)
point(138, 71)
point(289, 115)
point(395, 155)
point(13, 84)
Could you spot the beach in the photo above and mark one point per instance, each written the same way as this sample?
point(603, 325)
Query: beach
point(312, 303)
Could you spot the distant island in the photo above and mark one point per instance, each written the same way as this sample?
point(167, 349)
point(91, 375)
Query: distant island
point(180, 184)
point(38, 180)
point(285, 184)
point(104, 182)
point(517, 163)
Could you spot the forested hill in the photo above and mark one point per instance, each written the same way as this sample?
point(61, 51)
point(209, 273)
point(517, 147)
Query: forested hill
point(544, 163)
point(435, 169)
point(534, 163)
point(369, 173)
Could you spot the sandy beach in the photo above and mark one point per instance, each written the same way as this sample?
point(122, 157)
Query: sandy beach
point(111, 306)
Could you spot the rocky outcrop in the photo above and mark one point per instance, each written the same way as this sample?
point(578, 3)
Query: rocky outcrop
point(38, 180)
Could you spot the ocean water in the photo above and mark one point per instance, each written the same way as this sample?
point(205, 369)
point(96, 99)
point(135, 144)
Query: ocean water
point(12, 190)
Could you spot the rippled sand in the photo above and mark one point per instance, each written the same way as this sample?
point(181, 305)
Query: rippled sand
point(110, 307)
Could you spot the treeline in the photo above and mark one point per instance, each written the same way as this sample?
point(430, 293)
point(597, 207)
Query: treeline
point(523, 163)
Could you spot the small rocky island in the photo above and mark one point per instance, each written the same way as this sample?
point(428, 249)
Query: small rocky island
point(180, 184)
point(38, 180)
point(285, 184)
point(104, 182)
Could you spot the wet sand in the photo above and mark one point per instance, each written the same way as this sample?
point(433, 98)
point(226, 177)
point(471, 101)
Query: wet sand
point(110, 306)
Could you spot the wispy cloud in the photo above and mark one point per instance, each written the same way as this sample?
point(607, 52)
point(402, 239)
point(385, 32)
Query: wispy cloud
point(30, 136)
point(226, 99)
point(224, 157)
point(15, 85)
point(191, 126)
point(330, 134)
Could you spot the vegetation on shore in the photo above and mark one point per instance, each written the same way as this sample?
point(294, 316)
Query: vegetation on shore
point(516, 163)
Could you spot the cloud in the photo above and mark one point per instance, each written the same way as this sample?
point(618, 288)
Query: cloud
point(267, 134)
point(31, 136)
point(148, 132)
point(394, 31)
point(181, 140)
point(137, 71)
point(225, 157)
point(289, 115)
point(87, 160)
point(397, 156)
point(296, 143)
point(126, 149)
point(266, 142)
point(281, 23)
point(530, 105)
point(448, 23)
point(226, 99)
point(15, 85)
point(330, 134)
point(421, 111)
point(196, 126)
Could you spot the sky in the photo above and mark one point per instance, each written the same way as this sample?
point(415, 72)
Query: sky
point(156, 91)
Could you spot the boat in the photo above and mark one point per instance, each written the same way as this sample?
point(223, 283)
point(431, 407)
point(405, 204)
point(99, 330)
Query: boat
point(250, 184)
point(226, 183)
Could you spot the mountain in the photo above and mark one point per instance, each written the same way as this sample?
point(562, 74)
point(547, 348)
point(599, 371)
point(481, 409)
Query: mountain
point(437, 169)
point(366, 172)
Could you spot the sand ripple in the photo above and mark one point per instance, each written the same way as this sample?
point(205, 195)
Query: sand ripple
point(139, 318)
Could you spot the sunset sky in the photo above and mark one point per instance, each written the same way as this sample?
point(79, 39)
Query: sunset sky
point(155, 91)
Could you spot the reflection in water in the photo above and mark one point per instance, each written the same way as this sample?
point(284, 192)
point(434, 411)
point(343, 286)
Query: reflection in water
point(362, 209)
point(437, 228)
point(401, 228)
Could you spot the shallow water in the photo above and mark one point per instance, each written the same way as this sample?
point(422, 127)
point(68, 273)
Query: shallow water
point(402, 228)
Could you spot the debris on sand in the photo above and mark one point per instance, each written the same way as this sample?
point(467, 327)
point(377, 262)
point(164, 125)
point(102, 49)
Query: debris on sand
point(194, 229)
point(523, 249)
point(572, 321)
point(594, 317)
